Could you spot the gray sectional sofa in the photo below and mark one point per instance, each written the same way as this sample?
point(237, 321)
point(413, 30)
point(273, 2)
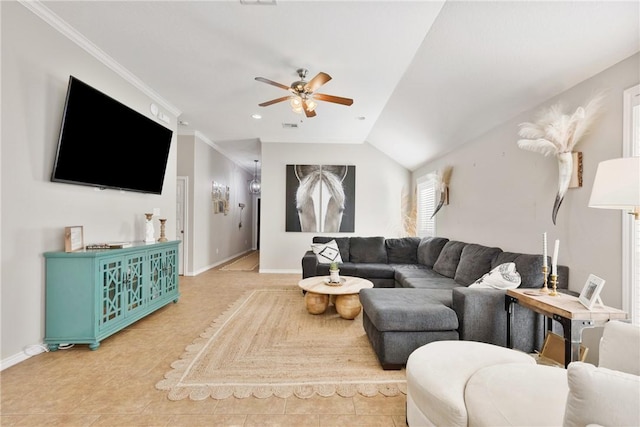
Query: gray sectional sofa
point(421, 292)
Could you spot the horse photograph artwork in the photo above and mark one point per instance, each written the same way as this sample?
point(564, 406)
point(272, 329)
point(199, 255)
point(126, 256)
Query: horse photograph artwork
point(320, 198)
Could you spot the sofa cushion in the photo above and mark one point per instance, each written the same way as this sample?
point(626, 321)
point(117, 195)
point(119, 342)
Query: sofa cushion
point(346, 269)
point(343, 245)
point(403, 250)
point(367, 249)
point(620, 347)
point(503, 276)
point(502, 395)
point(449, 257)
point(601, 396)
point(407, 310)
point(326, 252)
point(372, 270)
point(434, 283)
point(529, 267)
point(475, 261)
point(429, 250)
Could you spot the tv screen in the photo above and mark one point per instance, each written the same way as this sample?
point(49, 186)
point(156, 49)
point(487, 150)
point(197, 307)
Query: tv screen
point(106, 144)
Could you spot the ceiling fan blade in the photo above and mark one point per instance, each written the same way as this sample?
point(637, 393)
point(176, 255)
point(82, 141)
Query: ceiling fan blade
point(271, 82)
point(331, 98)
point(320, 79)
point(274, 101)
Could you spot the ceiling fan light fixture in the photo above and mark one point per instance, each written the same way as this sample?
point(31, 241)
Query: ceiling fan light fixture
point(296, 104)
point(311, 104)
point(303, 98)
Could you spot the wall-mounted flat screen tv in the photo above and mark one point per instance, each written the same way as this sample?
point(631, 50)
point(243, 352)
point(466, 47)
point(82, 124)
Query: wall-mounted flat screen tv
point(103, 143)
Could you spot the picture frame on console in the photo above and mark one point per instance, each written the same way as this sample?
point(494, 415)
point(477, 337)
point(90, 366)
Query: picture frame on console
point(590, 294)
point(73, 238)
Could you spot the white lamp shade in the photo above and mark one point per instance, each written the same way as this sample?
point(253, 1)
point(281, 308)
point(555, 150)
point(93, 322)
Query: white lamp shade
point(617, 184)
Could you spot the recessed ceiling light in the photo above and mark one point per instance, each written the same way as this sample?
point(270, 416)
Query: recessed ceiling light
point(256, 116)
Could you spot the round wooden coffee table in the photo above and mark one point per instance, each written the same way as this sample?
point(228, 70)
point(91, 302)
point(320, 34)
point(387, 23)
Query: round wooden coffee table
point(320, 294)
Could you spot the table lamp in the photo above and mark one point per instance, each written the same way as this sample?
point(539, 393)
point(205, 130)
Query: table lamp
point(617, 185)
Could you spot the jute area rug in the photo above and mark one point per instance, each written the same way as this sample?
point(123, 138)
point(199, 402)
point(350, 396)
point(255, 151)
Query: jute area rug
point(246, 263)
point(267, 344)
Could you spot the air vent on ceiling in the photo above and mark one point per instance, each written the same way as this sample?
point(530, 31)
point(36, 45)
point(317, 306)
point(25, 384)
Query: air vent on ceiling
point(290, 125)
point(258, 2)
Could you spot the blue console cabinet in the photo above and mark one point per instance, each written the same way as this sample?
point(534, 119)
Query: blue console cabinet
point(93, 294)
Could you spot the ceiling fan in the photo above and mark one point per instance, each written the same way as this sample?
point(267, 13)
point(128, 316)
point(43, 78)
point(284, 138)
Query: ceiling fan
point(304, 93)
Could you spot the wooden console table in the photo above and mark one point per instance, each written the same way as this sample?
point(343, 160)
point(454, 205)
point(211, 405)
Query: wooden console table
point(565, 309)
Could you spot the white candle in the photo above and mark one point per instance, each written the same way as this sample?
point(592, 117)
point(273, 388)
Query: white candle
point(544, 249)
point(554, 260)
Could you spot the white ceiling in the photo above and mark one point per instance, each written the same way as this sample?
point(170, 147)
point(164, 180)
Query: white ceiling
point(427, 76)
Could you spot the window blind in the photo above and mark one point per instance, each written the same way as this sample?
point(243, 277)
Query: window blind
point(426, 226)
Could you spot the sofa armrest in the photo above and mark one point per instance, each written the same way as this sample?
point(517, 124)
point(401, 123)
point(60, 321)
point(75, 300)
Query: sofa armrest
point(482, 317)
point(309, 265)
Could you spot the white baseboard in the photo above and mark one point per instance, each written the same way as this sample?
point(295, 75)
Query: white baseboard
point(279, 271)
point(28, 352)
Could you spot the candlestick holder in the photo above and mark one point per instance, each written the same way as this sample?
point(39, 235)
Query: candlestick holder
point(162, 238)
point(545, 288)
point(554, 283)
point(149, 229)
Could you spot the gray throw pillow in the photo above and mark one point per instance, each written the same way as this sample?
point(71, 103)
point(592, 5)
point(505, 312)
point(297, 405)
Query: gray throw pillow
point(403, 250)
point(475, 261)
point(367, 249)
point(429, 250)
point(447, 262)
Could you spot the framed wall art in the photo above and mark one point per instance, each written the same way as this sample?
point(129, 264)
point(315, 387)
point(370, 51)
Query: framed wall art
point(320, 198)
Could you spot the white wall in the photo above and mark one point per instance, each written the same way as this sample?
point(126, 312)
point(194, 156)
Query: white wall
point(380, 185)
point(502, 195)
point(213, 238)
point(36, 64)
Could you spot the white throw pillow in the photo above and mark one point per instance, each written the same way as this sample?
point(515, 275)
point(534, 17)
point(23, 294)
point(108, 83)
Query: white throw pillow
point(503, 276)
point(601, 396)
point(327, 252)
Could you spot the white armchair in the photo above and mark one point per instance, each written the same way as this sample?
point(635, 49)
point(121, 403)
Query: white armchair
point(498, 391)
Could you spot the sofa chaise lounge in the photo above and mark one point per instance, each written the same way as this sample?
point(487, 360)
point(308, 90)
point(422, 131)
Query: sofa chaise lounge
point(421, 292)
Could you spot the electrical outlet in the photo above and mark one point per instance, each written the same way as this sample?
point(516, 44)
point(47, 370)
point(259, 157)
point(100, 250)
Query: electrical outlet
point(156, 211)
point(217, 250)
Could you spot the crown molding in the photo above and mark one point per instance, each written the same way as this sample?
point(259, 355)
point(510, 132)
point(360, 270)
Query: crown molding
point(75, 36)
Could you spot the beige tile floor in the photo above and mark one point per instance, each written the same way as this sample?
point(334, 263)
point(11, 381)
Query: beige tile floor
point(114, 386)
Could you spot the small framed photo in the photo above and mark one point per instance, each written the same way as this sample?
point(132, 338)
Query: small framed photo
point(73, 238)
point(591, 292)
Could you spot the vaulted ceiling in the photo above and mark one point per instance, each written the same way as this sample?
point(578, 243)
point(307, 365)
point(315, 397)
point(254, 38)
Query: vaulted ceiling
point(425, 76)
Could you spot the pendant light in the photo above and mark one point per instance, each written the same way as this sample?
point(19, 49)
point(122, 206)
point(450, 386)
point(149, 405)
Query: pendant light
point(254, 185)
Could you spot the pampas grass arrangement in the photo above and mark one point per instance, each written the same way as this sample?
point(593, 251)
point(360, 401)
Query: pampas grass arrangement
point(556, 133)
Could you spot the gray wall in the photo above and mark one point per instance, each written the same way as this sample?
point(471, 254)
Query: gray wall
point(213, 238)
point(36, 64)
point(502, 195)
point(380, 185)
